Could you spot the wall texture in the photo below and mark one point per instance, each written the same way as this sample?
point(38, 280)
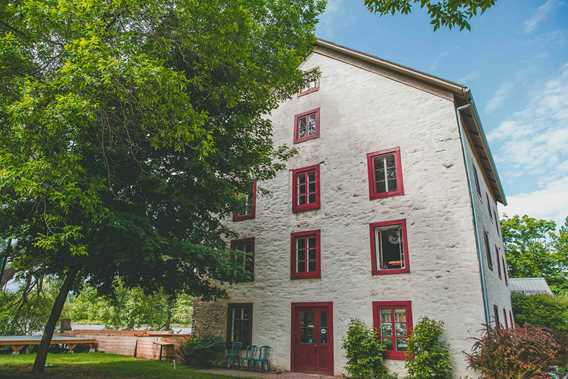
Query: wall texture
point(362, 112)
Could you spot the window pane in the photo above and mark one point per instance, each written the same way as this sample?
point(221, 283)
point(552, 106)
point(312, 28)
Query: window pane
point(311, 124)
point(302, 127)
point(323, 327)
point(400, 328)
point(380, 180)
point(389, 240)
point(307, 327)
point(386, 328)
point(301, 255)
point(391, 173)
point(301, 189)
point(312, 181)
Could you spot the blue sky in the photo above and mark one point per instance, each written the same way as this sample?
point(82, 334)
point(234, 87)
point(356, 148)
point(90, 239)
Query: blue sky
point(515, 60)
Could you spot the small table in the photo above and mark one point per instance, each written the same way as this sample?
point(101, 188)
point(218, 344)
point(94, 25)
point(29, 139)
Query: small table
point(167, 345)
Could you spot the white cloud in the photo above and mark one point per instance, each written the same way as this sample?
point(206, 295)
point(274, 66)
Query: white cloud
point(534, 141)
point(540, 15)
point(549, 202)
point(498, 99)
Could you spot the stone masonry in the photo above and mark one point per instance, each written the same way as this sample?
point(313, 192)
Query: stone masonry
point(365, 109)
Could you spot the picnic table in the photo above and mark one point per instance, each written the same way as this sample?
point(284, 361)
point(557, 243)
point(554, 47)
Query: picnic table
point(17, 343)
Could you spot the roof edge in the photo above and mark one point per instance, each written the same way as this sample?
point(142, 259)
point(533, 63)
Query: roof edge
point(453, 87)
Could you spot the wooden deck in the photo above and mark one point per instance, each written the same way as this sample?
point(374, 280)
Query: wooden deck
point(17, 343)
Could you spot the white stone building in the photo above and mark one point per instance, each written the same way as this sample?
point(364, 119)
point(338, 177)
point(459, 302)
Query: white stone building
point(387, 214)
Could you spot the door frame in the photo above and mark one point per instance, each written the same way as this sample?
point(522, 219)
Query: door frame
point(329, 306)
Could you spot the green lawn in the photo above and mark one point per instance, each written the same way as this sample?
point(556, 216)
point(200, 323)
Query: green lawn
point(95, 366)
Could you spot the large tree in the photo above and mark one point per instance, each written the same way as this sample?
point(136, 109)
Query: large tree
point(129, 128)
point(443, 13)
point(537, 248)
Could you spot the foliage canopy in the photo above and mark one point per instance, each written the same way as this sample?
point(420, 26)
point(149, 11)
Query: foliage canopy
point(443, 13)
point(537, 248)
point(129, 127)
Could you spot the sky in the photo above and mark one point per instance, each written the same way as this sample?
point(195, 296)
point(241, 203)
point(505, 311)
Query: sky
point(515, 61)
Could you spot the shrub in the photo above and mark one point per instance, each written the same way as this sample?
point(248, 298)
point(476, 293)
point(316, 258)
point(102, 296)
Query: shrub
point(429, 356)
point(364, 352)
point(541, 310)
point(526, 352)
point(203, 351)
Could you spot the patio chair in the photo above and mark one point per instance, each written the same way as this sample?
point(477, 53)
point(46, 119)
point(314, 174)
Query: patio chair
point(250, 355)
point(263, 360)
point(234, 355)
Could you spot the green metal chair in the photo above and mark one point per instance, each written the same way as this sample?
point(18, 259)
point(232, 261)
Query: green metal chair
point(263, 360)
point(250, 356)
point(234, 355)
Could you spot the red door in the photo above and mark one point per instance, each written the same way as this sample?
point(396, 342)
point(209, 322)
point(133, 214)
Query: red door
point(312, 338)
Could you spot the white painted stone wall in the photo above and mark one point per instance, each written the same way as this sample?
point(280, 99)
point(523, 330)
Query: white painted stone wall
point(363, 112)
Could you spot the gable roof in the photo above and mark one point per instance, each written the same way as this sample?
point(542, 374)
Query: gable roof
point(461, 95)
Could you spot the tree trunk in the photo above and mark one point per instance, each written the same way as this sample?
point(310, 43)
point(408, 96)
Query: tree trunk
point(171, 302)
point(41, 357)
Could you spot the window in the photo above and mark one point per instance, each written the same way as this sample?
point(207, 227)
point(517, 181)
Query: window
point(496, 221)
point(310, 84)
point(247, 206)
point(389, 247)
point(489, 206)
point(385, 173)
point(512, 323)
point(239, 324)
point(505, 270)
point(307, 125)
point(305, 255)
point(496, 315)
point(488, 252)
point(305, 189)
point(505, 318)
point(393, 322)
point(243, 254)
point(476, 177)
point(498, 261)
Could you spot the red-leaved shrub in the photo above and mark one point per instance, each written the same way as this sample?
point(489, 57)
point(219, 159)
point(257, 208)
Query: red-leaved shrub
point(520, 353)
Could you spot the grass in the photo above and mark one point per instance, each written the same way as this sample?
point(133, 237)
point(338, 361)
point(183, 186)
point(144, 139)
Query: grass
point(95, 366)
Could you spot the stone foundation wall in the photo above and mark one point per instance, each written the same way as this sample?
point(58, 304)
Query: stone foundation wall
point(210, 318)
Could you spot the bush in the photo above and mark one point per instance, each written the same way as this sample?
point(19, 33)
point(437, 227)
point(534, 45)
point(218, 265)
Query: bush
point(364, 352)
point(541, 310)
point(203, 351)
point(526, 352)
point(429, 356)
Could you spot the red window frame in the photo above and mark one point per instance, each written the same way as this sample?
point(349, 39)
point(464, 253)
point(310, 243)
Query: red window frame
point(253, 242)
point(496, 315)
point(252, 214)
point(407, 305)
point(294, 274)
point(374, 253)
point(297, 208)
point(297, 138)
point(309, 90)
point(498, 261)
point(373, 194)
point(488, 251)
